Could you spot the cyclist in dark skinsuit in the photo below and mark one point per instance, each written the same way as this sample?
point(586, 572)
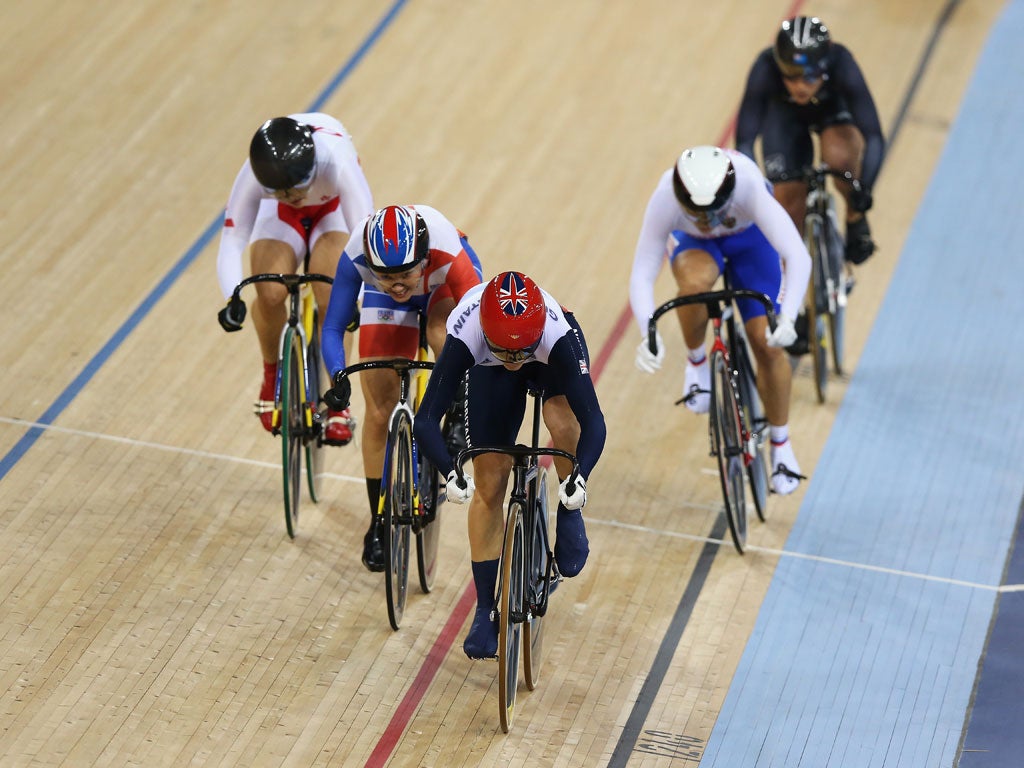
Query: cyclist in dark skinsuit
point(804, 83)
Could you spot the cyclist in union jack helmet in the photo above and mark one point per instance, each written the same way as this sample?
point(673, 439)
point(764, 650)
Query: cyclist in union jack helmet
point(512, 336)
point(713, 213)
point(404, 259)
point(301, 187)
point(807, 83)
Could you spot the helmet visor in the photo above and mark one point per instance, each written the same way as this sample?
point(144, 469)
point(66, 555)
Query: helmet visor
point(303, 186)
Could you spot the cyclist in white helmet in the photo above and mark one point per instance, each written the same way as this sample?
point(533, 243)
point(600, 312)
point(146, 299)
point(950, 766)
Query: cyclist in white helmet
point(713, 213)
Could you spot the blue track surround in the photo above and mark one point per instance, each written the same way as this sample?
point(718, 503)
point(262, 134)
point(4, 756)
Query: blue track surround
point(875, 629)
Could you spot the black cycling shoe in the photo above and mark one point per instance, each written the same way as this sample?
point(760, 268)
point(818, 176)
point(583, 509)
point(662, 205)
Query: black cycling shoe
point(373, 548)
point(859, 245)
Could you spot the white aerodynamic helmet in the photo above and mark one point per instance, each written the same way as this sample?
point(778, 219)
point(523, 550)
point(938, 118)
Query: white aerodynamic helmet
point(704, 178)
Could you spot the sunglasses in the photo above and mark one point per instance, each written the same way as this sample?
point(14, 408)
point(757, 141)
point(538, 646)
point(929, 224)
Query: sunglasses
point(512, 356)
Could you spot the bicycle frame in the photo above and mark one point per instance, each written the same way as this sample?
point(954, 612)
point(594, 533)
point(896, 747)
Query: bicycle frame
point(732, 431)
point(522, 590)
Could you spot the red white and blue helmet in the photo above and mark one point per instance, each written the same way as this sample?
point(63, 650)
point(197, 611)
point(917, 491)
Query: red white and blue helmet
point(395, 239)
point(512, 313)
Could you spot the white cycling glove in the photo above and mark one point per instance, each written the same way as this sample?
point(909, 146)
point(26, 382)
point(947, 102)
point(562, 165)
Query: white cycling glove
point(647, 362)
point(578, 498)
point(458, 495)
point(783, 335)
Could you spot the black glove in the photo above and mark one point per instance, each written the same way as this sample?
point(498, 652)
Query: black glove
point(860, 199)
point(339, 396)
point(233, 315)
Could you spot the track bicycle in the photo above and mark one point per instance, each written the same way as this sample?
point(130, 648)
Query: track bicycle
point(410, 484)
point(830, 280)
point(737, 427)
point(301, 379)
point(527, 573)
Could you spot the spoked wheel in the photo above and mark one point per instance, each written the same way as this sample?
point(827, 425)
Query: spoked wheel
point(318, 384)
point(292, 427)
point(398, 501)
point(536, 573)
point(817, 307)
point(428, 536)
point(728, 448)
point(757, 429)
point(510, 608)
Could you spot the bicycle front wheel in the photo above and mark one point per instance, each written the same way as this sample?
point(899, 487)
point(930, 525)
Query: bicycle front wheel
point(836, 287)
point(397, 487)
point(728, 448)
point(538, 555)
point(428, 530)
point(817, 305)
point(292, 427)
point(755, 427)
point(510, 613)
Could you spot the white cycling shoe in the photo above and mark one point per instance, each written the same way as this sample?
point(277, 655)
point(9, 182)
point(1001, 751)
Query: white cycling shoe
point(785, 470)
point(697, 387)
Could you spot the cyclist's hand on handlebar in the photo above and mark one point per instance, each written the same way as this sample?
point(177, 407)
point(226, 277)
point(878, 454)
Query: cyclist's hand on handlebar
point(339, 396)
point(861, 199)
point(578, 497)
point(232, 316)
point(460, 494)
point(784, 334)
point(646, 361)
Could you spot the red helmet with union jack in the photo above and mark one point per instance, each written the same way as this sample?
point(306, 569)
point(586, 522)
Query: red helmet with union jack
point(512, 313)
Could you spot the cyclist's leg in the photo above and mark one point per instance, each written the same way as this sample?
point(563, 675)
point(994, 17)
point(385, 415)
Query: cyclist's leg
point(571, 544)
point(696, 265)
point(787, 148)
point(496, 404)
point(387, 329)
point(328, 238)
point(753, 264)
point(276, 245)
point(842, 147)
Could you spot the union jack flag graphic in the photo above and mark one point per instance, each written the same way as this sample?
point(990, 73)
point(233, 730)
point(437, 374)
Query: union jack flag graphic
point(512, 295)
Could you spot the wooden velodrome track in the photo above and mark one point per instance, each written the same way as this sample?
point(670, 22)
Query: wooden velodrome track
point(153, 610)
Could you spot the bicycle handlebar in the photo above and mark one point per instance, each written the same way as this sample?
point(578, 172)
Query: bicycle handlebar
point(713, 300)
point(816, 174)
point(517, 451)
point(290, 281)
point(398, 364)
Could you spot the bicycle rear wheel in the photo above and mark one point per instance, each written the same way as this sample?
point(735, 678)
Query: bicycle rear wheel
point(397, 487)
point(756, 426)
point(817, 305)
point(728, 449)
point(538, 555)
point(428, 533)
point(292, 427)
point(510, 614)
point(318, 384)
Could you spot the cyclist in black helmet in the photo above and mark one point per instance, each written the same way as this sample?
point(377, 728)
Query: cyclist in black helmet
point(808, 83)
point(302, 187)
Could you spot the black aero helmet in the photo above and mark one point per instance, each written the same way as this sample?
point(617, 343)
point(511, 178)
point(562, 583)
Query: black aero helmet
point(802, 47)
point(703, 179)
point(282, 154)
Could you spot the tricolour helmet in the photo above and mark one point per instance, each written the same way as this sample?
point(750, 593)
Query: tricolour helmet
point(802, 47)
point(395, 239)
point(512, 316)
point(703, 179)
point(282, 154)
